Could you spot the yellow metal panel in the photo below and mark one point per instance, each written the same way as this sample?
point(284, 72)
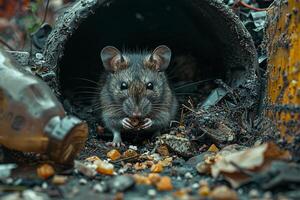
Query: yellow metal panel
point(283, 73)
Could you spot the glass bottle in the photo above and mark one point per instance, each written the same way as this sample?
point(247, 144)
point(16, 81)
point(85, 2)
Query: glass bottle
point(32, 119)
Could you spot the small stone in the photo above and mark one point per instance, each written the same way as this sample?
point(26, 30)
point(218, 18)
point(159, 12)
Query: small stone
point(82, 181)
point(223, 193)
point(195, 185)
point(151, 192)
point(121, 183)
point(254, 193)
point(204, 191)
point(100, 130)
point(188, 175)
point(156, 157)
point(268, 196)
point(44, 185)
point(133, 147)
point(98, 188)
point(31, 195)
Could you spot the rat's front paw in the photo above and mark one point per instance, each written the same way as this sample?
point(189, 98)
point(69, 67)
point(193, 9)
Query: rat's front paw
point(147, 123)
point(117, 142)
point(126, 123)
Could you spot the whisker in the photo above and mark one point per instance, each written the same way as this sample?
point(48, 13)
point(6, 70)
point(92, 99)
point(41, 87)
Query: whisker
point(194, 83)
point(84, 79)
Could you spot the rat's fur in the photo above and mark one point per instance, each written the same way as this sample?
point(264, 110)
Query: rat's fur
point(159, 104)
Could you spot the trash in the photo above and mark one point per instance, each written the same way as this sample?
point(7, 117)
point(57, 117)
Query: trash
point(163, 150)
point(157, 168)
point(164, 184)
point(141, 180)
point(104, 167)
point(214, 97)
point(85, 168)
point(113, 154)
point(5, 170)
point(154, 178)
point(140, 166)
point(130, 153)
point(180, 145)
point(213, 148)
point(45, 171)
point(59, 180)
point(33, 118)
point(253, 159)
point(92, 159)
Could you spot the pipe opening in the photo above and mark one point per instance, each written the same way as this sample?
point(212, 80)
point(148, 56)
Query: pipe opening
point(201, 44)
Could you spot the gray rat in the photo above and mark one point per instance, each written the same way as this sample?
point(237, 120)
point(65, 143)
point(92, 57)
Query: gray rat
point(136, 87)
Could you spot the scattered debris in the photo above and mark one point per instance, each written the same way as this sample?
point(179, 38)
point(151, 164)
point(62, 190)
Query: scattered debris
point(5, 170)
point(114, 154)
point(45, 171)
point(223, 193)
point(237, 166)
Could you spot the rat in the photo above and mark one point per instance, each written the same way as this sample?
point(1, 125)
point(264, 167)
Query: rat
point(136, 95)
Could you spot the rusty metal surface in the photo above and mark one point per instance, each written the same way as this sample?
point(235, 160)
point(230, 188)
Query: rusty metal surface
point(283, 72)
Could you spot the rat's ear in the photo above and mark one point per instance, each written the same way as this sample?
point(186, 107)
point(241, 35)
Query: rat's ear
point(112, 59)
point(160, 58)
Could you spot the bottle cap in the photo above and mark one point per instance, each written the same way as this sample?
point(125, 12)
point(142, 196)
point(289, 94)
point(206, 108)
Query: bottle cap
point(67, 137)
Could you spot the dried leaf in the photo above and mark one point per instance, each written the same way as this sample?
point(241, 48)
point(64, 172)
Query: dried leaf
point(254, 159)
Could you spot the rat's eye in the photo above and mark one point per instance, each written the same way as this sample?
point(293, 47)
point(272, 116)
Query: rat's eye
point(124, 86)
point(149, 86)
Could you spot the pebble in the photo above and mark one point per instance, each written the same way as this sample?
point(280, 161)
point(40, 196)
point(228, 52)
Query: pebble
point(133, 147)
point(82, 181)
point(267, 196)
point(188, 175)
point(253, 193)
point(151, 192)
point(195, 185)
point(44, 185)
point(98, 188)
point(31, 195)
point(121, 183)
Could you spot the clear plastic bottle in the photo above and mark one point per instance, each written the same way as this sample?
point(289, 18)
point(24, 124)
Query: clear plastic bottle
point(32, 119)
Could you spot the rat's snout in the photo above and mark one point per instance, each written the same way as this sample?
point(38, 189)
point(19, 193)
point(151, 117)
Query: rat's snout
point(137, 109)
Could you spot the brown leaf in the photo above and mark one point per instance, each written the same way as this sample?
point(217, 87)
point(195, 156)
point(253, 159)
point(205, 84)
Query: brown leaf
point(233, 166)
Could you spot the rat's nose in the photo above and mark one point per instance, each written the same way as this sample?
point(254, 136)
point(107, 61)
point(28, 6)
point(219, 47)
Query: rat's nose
point(136, 114)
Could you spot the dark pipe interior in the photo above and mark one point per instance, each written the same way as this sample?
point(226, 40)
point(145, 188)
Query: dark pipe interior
point(135, 24)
